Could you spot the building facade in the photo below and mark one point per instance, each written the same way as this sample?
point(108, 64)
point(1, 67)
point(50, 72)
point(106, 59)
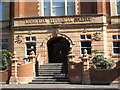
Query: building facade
point(53, 29)
point(81, 25)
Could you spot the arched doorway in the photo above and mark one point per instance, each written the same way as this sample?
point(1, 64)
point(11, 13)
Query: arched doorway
point(58, 49)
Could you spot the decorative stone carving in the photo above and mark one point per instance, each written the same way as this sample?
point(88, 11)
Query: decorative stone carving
point(97, 36)
point(18, 39)
point(55, 33)
point(29, 33)
point(84, 30)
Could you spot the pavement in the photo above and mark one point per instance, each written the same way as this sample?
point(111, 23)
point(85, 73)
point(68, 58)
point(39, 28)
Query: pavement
point(59, 87)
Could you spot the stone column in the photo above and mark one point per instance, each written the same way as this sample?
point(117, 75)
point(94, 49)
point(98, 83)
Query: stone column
point(32, 58)
point(13, 78)
point(86, 66)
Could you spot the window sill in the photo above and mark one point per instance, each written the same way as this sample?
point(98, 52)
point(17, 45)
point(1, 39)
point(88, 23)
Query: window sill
point(116, 56)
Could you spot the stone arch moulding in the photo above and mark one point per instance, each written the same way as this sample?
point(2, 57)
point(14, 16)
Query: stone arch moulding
point(44, 42)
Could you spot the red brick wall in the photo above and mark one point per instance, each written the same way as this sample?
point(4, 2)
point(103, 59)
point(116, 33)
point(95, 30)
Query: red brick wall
point(25, 9)
point(4, 76)
point(31, 9)
point(75, 75)
point(97, 76)
point(25, 70)
point(88, 7)
point(104, 76)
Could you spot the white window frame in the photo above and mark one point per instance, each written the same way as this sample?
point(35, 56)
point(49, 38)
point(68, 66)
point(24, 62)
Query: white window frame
point(115, 40)
point(85, 40)
point(29, 42)
point(65, 9)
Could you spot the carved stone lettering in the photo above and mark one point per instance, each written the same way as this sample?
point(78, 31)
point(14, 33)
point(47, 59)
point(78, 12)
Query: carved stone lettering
point(57, 20)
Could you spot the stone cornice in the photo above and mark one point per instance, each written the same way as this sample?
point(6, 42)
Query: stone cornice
point(68, 26)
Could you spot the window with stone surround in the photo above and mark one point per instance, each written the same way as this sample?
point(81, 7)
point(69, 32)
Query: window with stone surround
point(85, 43)
point(30, 44)
point(118, 6)
point(30, 47)
point(58, 7)
point(31, 38)
point(116, 44)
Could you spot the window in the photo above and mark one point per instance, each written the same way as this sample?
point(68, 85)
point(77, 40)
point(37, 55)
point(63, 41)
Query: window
point(30, 38)
point(30, 44)
point(116, 47)
point(114, 37)
point(118, 6)
point(4, 43)
point(85, 43)
point(58, 7)
point(1, 11)
point(116, 44)
point(30, 47)
point(85, 36)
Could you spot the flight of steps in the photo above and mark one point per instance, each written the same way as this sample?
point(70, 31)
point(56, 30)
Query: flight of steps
point(51, 73)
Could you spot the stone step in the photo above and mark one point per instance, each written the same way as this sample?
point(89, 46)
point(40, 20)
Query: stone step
point(48, 82)
point(52, 80)
point(51, 70)
point(50, 77)
point(51, 74)
point(52, 67)
point(54, 64)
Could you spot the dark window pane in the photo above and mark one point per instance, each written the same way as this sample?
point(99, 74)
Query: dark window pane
point(27, 38)
point(117, 50)
point(116, 44)
point(4, 46)
point(86, 44)
point(88, 36)
point(82, 36)
point(118, 36)
point(30, 47)
point(114, 37)
point(33, 38)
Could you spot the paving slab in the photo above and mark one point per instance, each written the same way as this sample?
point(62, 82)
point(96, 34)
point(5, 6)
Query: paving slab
point(59, 87)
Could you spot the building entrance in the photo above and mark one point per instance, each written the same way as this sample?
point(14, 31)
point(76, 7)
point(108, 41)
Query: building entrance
point(58, 49)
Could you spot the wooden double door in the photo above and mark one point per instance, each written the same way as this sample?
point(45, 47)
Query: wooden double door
point(58, 49)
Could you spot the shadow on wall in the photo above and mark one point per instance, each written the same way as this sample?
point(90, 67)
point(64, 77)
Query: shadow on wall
point(105, 76)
